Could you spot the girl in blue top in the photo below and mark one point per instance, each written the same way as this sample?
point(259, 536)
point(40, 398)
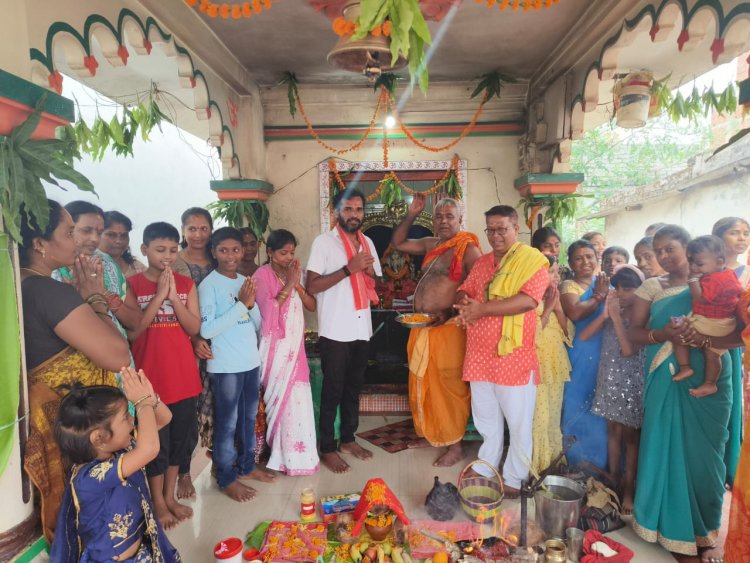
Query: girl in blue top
point(106, 514)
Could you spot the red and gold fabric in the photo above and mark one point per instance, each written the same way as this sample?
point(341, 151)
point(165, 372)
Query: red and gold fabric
point(376, 493)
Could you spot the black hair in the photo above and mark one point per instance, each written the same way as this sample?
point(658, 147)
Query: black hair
point(158, 230)
point(552, 260)
point(725, 223)
point(79, 207)
point(190, 212)
point(502, 211)
point(591, 234)
point(673, 232)
point(576, 245)
point(349, 193)
point(625, 278)
point(653, 227)
point(82, 411)
point(30, 229)
point(707, 243)
point(247, 231)
point(645, 241)
point(111, 217)
point(616, 250)
point(279, 239)
point(220, 235)
point(542, 235)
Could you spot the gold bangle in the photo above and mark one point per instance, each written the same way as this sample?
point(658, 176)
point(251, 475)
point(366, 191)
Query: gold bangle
point(139, 409)
point(139, 401)
point(282, 294)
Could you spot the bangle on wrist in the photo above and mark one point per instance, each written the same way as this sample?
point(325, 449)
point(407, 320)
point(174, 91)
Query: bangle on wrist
point(347, 271)
point(157, 400)
point(694, 280)
point(139, 401)
point(139, 409)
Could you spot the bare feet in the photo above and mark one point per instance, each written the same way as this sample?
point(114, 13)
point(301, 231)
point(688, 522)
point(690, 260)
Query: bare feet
point(452, 456)
point(713, 555)
point(165, 516)
point(334, 462)
point(356, 450)
point(627, 499)
point(259, 474)
point(185, 488)
point(703, 390)
point(239, 492)
point(418, 443)
point(180, 511)
point(685, 372)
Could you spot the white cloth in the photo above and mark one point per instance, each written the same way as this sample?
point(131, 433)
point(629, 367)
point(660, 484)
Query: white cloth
point(493, 405)
point(337, 317)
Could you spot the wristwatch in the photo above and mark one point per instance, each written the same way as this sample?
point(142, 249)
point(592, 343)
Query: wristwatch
point(347, 271)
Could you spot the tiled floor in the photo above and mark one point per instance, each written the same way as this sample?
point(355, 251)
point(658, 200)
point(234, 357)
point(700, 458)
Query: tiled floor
point(409, 474)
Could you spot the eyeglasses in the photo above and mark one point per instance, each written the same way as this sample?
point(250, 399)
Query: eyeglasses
point(502, 231)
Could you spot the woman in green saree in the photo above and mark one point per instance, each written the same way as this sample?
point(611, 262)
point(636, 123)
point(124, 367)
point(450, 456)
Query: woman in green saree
point(681, 469)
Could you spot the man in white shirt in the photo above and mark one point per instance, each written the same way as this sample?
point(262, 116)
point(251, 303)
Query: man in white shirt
point(341, 273)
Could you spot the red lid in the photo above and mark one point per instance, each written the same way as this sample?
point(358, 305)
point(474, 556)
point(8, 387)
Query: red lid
point(251, 554)
point(227, 548)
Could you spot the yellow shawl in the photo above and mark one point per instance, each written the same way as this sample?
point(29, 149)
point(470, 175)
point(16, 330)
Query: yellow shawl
point(517, 267)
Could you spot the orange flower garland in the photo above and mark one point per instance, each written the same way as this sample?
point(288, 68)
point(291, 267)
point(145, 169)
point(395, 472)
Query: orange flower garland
point(515, 4)
point(355, 146)
point(235, 10)
point(343, 27)
point(466, 130)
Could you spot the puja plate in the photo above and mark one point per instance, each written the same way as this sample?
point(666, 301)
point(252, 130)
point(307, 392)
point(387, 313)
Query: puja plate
point(416, 320)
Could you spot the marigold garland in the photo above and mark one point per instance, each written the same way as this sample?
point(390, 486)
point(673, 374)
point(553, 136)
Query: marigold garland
point(466, 130)
point(234, 10)
point(344, 27)
point(515, 4)
point(381, 99)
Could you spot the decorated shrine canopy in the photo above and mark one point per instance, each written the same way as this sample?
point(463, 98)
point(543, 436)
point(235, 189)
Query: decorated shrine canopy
point(376, 493)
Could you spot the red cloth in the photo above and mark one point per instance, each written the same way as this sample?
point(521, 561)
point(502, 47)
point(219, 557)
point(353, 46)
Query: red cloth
point(623, 555)
point(163, 351)
point(722, 291)
point(363, 286)
point(481, 362)
point(460, 242)
point(376, 493)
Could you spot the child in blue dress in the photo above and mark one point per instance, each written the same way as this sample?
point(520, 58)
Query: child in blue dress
point(106, 514)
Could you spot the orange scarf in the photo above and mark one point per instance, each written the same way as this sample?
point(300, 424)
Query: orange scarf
point(363, 285)
point(460, 242)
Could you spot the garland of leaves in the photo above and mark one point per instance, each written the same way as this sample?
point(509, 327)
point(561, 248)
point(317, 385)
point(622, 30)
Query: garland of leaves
point(240, 212)
point(390, 188)
point(695, 105)
point(119, 133)
point(559, 207)
point(24, 163)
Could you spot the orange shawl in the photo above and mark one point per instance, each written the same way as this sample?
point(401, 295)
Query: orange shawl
point(363, 285)
point(460, 242)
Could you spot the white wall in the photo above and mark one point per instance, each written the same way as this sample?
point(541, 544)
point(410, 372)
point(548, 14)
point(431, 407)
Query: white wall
point(696, 210)
point(168, 174)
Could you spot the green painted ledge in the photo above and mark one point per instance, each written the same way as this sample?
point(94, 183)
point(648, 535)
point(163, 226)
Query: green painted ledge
point(27, 93)
point(240, 185)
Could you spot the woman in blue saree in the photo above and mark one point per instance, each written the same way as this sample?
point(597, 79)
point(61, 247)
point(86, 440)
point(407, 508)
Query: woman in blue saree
point(681, 468)
point(582, 299)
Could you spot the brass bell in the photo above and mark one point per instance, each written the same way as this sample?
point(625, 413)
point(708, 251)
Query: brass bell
point(370, 55)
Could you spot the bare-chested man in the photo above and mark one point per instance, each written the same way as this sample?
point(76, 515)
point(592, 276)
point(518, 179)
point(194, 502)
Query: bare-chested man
point(440, 401)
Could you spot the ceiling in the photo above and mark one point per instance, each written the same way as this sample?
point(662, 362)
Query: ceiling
point(296, 35)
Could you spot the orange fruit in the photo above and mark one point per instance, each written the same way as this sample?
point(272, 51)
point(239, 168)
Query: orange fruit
point(440, 557)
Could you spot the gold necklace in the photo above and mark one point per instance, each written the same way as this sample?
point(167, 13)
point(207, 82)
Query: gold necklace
point(33, 270)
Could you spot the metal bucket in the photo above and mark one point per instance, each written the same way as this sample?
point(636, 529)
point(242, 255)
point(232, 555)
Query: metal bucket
point(558, 507)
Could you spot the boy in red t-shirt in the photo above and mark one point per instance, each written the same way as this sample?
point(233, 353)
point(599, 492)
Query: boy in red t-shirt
point(161, 347)
point(715, 291)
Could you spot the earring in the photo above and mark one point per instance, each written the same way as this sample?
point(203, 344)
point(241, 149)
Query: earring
point(43, 252)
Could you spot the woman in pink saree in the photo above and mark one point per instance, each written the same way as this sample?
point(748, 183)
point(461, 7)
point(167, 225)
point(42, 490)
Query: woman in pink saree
point(285, 376)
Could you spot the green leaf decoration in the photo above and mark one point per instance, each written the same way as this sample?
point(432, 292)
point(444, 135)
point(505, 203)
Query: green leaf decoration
point(696, 104)
point(492, 84)
point(238, 213)
point(25, 162)
point(290, 80)
point(388, 81)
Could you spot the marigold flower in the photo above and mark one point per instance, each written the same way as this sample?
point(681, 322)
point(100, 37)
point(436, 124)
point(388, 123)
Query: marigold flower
point(339, 25)
point(387, 28)
point(377, 31)
point(191, 3)
point(213, 10)
point(204, 5)
point(257, 8)
point(247, 10)
point(236, 11)
point(225, 11)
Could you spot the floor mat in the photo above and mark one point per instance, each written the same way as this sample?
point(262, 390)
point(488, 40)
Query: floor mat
point(395, 437)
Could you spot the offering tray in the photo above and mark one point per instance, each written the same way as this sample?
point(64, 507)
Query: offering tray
point(416, 320)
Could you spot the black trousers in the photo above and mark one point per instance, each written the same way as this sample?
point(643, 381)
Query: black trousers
point(344, 365)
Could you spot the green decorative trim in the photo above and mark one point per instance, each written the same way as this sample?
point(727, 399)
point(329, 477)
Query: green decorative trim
point(39, 546)
point(47, 60)
point(566, 178)
point(27, 93)
point(654, 11)
point(231, 185)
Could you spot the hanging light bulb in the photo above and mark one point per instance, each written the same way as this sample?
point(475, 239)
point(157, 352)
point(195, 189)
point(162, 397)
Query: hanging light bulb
point(390, 121)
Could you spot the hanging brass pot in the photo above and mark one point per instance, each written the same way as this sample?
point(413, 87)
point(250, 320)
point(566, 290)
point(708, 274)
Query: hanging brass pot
point(370, 55)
